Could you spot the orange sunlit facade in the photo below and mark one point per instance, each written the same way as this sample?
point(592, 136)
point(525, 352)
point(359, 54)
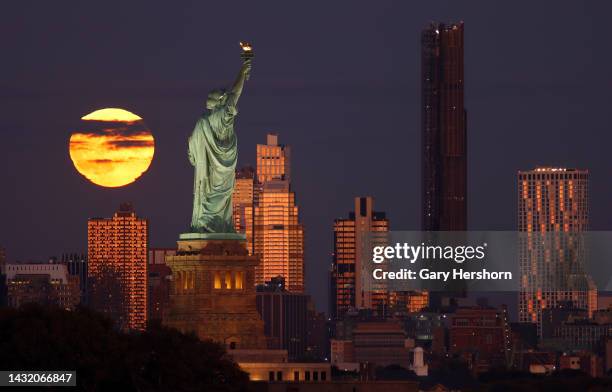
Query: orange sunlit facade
point(408, 301)
point(273, 160)
point(349, 289)
point(278, 235)
point(552, 214)
point(117, 254)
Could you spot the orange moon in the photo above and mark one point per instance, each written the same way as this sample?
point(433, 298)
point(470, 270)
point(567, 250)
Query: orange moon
point(112, 148)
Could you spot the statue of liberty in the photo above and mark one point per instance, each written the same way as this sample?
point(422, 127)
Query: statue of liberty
point(213, 152)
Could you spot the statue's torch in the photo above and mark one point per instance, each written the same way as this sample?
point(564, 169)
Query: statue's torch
point(247, 52)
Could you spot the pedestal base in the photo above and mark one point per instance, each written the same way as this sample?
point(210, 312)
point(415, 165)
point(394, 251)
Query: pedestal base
point(212, 291)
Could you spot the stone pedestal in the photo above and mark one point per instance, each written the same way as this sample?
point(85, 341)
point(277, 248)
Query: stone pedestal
point(212, 291)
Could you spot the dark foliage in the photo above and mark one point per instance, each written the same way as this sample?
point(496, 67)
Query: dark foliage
point(159, 359)
point(453, 374)
point(561, 381)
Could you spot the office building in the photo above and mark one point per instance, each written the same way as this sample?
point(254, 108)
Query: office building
point(117, 271)
point(77, 266)
point(279, 236)
point(285, 317)
point(318, 333)
point(44, 284)
point(351, 286)
point(278, 232)
point(273, 160)
point(443, 123)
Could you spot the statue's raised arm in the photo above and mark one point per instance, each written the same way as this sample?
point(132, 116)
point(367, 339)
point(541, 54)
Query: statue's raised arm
point(242, 77)
point(222, 104)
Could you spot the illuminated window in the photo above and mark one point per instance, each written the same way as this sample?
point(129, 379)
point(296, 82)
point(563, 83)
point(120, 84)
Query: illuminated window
point(238, 284)
point(217, 280)
point(228, 280)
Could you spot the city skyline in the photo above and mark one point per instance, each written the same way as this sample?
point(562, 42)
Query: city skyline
point(388, 195)
point(520, 87)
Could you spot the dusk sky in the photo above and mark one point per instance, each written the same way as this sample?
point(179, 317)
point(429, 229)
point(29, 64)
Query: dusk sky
point(338, 81)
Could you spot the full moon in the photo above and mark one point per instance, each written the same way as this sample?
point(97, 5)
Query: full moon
point(112, 148)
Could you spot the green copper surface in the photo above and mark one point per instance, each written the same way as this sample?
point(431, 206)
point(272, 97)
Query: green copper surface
point(213, 152)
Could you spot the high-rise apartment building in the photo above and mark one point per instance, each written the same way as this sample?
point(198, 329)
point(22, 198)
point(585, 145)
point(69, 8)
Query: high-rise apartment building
point(278, 238)
point(244, 199)
point(443, 123)
point(117, 255)
point(552, 217)
point(350, 287)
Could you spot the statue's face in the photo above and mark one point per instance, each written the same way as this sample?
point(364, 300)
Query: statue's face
point(215, 99)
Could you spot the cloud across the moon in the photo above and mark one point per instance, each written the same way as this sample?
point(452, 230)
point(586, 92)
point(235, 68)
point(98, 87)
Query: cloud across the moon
point(112, 148)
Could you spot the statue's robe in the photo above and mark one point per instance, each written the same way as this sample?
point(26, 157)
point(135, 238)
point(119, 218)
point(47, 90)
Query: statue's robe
point(213, 153)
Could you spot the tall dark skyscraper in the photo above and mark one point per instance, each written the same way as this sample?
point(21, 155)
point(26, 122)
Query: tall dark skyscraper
point(443, 122)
